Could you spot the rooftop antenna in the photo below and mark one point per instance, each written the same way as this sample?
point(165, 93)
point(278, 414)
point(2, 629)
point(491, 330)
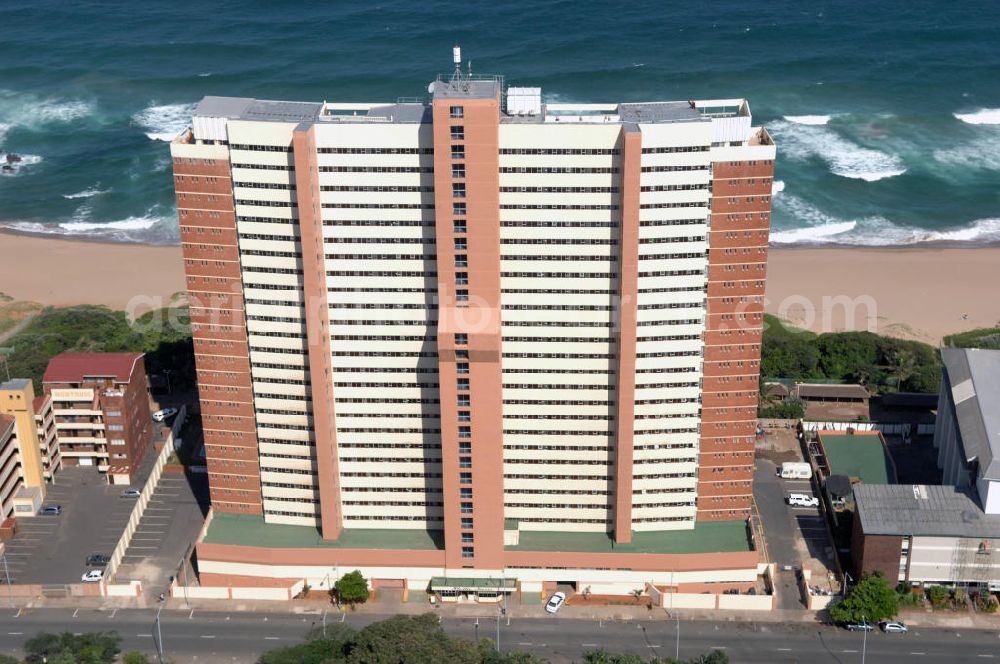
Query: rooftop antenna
point(456, 56)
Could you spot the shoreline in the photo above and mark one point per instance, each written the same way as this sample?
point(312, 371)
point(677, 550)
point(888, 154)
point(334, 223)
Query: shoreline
point(918, 292)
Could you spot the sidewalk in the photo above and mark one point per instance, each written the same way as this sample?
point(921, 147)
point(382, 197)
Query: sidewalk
point(605, 613)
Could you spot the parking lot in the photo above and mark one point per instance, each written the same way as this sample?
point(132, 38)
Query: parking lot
point(171, 522)
point(53, 549)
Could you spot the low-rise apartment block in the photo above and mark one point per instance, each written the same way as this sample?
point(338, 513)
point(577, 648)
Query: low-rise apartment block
point(22, 470)
point(100, 405)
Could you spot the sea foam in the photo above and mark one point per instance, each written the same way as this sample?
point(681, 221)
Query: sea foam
point(777, 187)
point(984, 116)
point(163, 123)
point(17, 166)
point(800, 142)
point(809, 119)
point(87, 193)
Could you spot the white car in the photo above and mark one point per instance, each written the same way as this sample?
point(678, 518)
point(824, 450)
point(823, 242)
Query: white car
point(894, 627)
point(162, 415)
point(93, 576)
point(131, 493)
point(556, 601)
point(802, 500)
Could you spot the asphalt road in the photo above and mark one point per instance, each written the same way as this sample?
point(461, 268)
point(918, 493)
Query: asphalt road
point(240, 637)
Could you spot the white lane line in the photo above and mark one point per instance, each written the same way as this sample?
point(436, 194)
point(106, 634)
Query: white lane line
point(144, 636)
point(208, 636)
point(588, 645)
point(717, 647)
point(848, 650)
point(272, 638)
point(524, 643)
point(918, 653)
point(784, 650)
point(113, 614)
point(15, 633)
point(76, 612)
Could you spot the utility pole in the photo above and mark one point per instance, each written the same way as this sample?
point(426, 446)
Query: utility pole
point(677, 647)
point(159, 634)
point(324, 622)
point(864, 641)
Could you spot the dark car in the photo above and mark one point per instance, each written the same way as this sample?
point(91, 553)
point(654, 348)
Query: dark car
point(98, 560)
point(50, 510)
point(859, 627)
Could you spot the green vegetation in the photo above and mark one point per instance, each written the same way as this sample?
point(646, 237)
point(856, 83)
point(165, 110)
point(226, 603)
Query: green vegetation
point(939, 596)
point(871, 600)
point(352, 588)
point(883, 364)
point(164, 334)
point(984, 337)
point(907, 597)
point(790, 408)
point(14, 313)
point(68, 648)
point(422, 640)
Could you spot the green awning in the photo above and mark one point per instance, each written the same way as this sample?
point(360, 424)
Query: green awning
point(462, 584)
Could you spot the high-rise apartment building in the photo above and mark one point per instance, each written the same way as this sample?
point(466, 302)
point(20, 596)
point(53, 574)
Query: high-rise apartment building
point(527, 332)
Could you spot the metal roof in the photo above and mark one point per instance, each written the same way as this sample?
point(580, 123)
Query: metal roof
point(662, 111)
point(245, 108)
point(15, 384)
point(77, 367)
point(830, 391)
point(973, 377)
point(929, 510)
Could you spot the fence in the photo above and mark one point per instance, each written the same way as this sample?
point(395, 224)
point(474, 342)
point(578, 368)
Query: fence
point(886, 428)
point(144, 497)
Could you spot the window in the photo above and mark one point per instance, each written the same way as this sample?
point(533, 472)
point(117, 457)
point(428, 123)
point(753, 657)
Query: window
point(464, 400)
point(458, 209)
point(462, 367)
point(465, 493)
point(458, 190)
point(465, 462)
point(461, 354)
point(117, 441)
point(461, 278)
point(464, 432)
point(464, 447)
point(467, 509)
point(457, 132)
point(467, 537)
point(468, 552)
point(456, 111)
point(463, 383)
point(113, 413)
point(115, 427)
point(458, 170)
point(466, 522)
point(465, 478)
point(464, 416)
point(462, 339)
point(119, 456)
point(460, 227)
point(461, 244)
point(461, 260)
point(462, 295)
point(458, 152)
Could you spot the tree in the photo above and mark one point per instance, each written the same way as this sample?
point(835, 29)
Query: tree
point(871, 600)
point(352, 588)
point(68, 648)
point(7, 659)
point(135, 657)
point(321, 647)
point(410, 640)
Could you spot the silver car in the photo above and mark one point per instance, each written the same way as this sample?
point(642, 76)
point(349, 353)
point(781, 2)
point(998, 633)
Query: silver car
point(894, 627)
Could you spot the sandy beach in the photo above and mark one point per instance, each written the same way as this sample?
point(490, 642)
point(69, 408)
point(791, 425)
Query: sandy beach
point(921, 293)
point(132, 277)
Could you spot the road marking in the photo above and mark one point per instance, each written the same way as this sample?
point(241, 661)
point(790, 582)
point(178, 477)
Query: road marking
point(191, 614)
point(15, 633)
point(272, 638)
point(985, 656)
point(18, 614)
point(784, 650)
point(523, 643)
point(849, 651)
point(144, 636)
point(918, 653)
point(113, 614)
point(717, 647)
point(208, 636)
point(588, 645)
point(76, 612)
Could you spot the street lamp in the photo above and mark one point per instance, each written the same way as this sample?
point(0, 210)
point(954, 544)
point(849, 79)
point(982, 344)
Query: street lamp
point(864, 641)
point(159, 634)
point(677, 647)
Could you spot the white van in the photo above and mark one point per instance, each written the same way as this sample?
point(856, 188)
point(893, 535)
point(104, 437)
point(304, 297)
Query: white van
point(795, 470)
point(802, 500)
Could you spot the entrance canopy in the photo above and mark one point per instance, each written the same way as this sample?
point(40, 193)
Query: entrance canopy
point(472, 585)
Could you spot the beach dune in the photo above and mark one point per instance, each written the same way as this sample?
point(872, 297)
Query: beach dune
point(920, 293)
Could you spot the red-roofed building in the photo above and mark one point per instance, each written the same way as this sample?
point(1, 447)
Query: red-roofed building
point(101, 407)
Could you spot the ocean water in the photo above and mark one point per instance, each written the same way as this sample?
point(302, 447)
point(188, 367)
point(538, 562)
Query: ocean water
point(886, 114)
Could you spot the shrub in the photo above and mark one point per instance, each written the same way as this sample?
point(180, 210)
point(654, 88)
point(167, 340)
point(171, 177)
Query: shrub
point(938, 595)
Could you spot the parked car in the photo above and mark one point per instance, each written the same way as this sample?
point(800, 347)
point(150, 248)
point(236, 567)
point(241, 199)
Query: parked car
point(894, 627)
point(859, 627)
point(556, 601)
point(131, 493)
point(162, 415)
point(802, 500)
point(92, 576)
point(98, 560)
point(50, 510)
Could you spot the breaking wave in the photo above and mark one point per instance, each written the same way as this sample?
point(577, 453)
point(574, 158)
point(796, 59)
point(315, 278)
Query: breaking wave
point(163, 123)
point(802, 141)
